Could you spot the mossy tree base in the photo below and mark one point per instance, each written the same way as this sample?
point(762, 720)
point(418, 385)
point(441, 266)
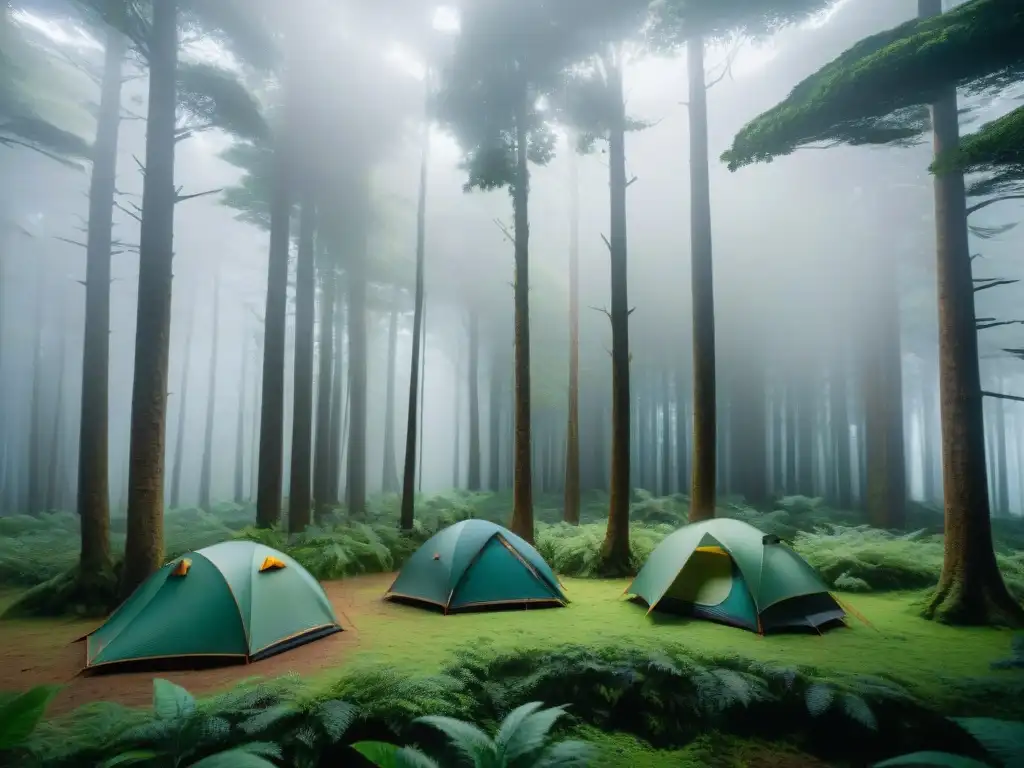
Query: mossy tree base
point(70, 594)
point(958, 603)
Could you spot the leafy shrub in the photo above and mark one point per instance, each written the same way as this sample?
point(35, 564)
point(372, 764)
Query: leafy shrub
point(1001, 741)
point(19, 717)
point(522, 741)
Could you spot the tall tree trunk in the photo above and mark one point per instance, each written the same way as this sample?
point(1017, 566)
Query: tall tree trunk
point(702, 491)
point(300, 494)
point(931, 490)
point(36, 463)
point(389, 483)
point(682, 430)
point(971, 589)
point(494, 398)
point(93, 450)
point(144, 537)
point(56, 444)
point(179, 438)
point(206, 473)
point(571, 511)
point(522, 484)
point(1002, 506)
point(254, 437)
point(423, 396)
point(240, 428)
point(322, 471)
point(473, 479)
point(615, 553)
point(886, 466)
point(409, 464)
point(339, 395)
point(457, 426)
point(666, 432)
point(357, 356)
point(269, 488)
point(804, 412)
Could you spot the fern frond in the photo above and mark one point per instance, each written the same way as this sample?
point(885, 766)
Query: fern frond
point(819, 698)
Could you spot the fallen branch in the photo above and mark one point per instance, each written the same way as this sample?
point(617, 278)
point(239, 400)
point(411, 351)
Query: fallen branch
point(1001, 396)
point(180, 198)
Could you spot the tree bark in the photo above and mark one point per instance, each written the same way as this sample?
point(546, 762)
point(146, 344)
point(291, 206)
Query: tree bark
point(339, 395)
point(494, 399)
point(269, 488)
point(240, 428)
point(36, 463)
point(322, 466)
point(615, 551)
point(407, 513)
point(389, 482)
point(56, 451)
point(473, 479)
point(971, 589)
point(300, 497)
point(1002, 506)
point(357, 355)
point(179, 438)
point(522, 484)
point(144, 538)
point(702, 489)
point(206, 473)
point(93, 448)
point(571, 510)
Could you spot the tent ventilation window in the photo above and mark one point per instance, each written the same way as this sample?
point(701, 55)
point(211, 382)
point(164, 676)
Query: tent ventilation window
point(181, 569)
point(771, 538)
point(271, 564)
point(437, 556)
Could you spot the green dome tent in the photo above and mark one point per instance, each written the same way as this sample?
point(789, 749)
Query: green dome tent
point(728, 571)
point(237, 599)
point(475, 564)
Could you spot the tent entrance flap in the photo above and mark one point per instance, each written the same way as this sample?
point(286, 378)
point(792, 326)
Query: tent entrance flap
point(498, 575)
point(710, 586)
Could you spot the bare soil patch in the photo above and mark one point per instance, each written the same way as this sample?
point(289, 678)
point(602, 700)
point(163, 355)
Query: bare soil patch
point(45, 652)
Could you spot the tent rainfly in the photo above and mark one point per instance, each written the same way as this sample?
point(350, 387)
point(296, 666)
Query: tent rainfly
point(237, 600)
point(477, 564)
point(728, 571)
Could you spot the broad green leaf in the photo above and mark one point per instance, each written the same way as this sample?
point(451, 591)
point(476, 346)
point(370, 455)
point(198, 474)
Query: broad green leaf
point(20, 716)
point(171, 701)
point(384, 755)
point(1003, 739)
point(932, 760)
point(531, 733)
point(129, 758)
point(233, 758)
point(566, 754)
point(470, 740)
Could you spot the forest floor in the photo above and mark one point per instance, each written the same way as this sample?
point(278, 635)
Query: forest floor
point(892, 640)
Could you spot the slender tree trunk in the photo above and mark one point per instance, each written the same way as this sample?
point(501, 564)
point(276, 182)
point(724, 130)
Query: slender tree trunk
point(357, 355)
point(339, 395)
point(300, 493)
point(254, 436)
point(411, 422)
point(522, 484)
point(473, 480)
point(179, 438)
point(682, 429)
point(423, 396)
point(144, 538)
point(93, 450)
point(931, 490)
point(240, 428)
point(571, 511)
point(206, 474)
point(56, 446)
point(457, 426)
point(971, 589)
point(494, 417)
point(322, 471)
point(36, 463)
point(1002, 507)
point(389, 483)
point(615, 552)
point(702, 489)
point(804, 413)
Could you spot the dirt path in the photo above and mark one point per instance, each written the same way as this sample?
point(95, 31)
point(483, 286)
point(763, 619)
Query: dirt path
point(45, 652)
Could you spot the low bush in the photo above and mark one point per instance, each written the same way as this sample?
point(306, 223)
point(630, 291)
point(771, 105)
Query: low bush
point(667, 697)
point(850, 555)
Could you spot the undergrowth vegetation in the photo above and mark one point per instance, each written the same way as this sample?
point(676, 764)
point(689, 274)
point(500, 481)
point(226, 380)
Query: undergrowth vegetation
point(666, 697)
point(40, 551)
